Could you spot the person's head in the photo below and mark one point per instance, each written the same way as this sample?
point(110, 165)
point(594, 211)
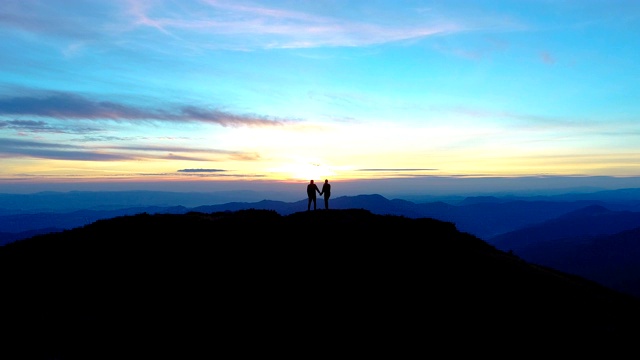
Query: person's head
point(311, 182)
point(326, 180)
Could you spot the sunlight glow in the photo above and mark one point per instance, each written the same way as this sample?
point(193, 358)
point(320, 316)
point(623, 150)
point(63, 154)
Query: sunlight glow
point(251, 90)
point(301, 170)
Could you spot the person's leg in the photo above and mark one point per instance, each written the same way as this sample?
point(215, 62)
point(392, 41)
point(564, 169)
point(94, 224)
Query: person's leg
point(326, 203)
point(309, 205)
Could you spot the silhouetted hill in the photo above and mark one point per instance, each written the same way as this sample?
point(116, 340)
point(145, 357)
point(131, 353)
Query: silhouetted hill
point(250, 282)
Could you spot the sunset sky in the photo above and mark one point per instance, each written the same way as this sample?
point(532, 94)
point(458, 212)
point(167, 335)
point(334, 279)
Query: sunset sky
point(114, 91)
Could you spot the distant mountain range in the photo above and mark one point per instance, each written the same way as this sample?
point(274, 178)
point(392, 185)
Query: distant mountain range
point(330, 282)
point(594, 242)
point(591, 235)
point(485, 216)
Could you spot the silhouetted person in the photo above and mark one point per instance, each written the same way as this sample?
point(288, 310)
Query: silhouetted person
point(311, 193)
point(326, 190)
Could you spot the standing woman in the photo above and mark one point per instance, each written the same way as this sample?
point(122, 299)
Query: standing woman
point(326, 190)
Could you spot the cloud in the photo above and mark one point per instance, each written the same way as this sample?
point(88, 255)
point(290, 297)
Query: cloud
point(524, 120)
point(242, 25)
point(398, 170)
point(201, 170)
point(48, 18)
point(63, 105)
point(39, 126)
point(172, 156)
point(54, 151)
point(220, 174)
point(69, 106)
point(226, 119)
point(64, 151)
point(235, 25)
point(259, 26)
point(172, 150)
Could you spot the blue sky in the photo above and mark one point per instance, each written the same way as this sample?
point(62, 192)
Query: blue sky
point(178, 92)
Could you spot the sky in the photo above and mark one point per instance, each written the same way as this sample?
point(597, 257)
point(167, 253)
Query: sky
point(193, 94)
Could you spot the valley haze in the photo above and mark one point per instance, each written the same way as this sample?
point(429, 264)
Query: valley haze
point(411, 188)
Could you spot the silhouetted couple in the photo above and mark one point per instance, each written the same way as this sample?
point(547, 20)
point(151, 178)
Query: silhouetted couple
point(312, 188)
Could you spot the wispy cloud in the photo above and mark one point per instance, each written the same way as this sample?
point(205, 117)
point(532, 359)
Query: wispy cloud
point(215, 174)
point(39, 126)
point(50, 18)
point(397, 170)
point(64, 151)
point(61, 105)
point(54, 151)
point(173, 150)
point(234, 24)
point(201, 170)
point(270, 27)
point(528, 120)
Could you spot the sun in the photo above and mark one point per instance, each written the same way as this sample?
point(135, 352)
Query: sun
point(307, 171)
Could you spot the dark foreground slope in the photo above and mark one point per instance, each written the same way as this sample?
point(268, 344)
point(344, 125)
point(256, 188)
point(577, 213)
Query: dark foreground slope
point(329, 283)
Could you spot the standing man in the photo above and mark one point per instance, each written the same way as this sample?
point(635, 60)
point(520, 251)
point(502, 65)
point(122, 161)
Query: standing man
point(326, 190)
point(311, 193)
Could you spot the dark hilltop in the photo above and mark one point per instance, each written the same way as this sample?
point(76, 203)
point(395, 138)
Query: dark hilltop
point(326, 283)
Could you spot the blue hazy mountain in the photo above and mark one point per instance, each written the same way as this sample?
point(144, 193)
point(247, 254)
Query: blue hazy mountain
point(593, 242)
point(51, 201)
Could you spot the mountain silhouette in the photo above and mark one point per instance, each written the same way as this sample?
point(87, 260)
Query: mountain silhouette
point(254, 281)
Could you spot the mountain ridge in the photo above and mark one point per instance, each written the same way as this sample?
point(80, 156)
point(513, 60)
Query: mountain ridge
point(480, 216)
